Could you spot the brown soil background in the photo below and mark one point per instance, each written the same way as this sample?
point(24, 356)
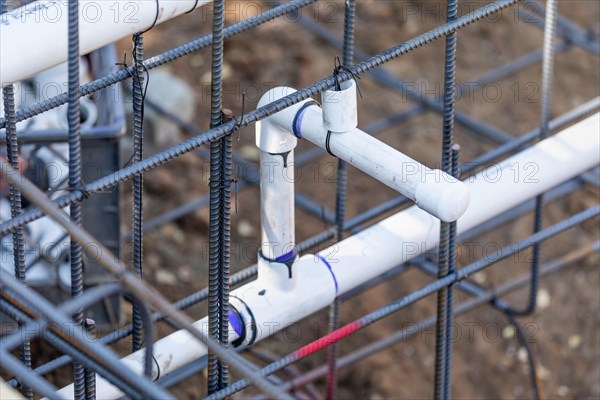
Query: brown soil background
point(283, 53)
point(567, 340)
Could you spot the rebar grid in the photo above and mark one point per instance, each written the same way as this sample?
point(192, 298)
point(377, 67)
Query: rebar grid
point(28, 308)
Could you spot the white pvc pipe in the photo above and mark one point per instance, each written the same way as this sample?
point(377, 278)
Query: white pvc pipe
point(34, 37)
point(319, 278)
point(276, 188)
point(432, 190)
point(170, 353)
point(495, 190)
point(277, 220)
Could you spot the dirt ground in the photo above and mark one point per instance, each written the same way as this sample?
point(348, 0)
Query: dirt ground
point(488, 363)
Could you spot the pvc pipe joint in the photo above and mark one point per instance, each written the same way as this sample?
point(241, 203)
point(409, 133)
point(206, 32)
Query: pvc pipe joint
point(434, 191)
point(273, 133)
point(312, 286)
point(340, 113)
point(276, 274)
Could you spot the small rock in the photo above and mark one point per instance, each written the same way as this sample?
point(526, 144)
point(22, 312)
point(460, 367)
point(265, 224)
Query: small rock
point(574, 341)
point(522, 355)
point(185, 273)
point(250, 153)
point(227, 71)
point(173, 232)
point(480, 277)
point(563, 391)
point(508, 332)
point(152, 260)
point(543, 299)
point(205, 78)
point(165, 277)
point(544, 373)
point(376, 396)
point(245, 228)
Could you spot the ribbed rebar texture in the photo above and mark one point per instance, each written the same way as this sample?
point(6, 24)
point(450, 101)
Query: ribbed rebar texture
point(214, 260)
point(411, 298)
point(135, 287)
point(191, 144)
point(219, 230)
point(340, 205)
point(455, 160)
point(75, 184)
point(90, 376)
point(443, 345)
point(545, 112)
point(483, 297)
point(226, 160)
point(138, 180)
point(12, 152)
point(161, 59)
point(97, 357)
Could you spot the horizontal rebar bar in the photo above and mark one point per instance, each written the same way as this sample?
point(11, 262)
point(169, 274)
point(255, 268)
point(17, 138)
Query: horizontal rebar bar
point(136, 287)
point(263, 112)
point(163, 58)
point(61, 321)
point(411, 298)
point(484, 298)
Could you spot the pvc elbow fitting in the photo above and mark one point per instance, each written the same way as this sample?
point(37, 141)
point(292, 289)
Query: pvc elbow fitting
point(274, 133)
point(442, 195)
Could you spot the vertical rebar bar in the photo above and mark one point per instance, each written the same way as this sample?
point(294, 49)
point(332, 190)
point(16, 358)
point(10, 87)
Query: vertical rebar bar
point(12, 153)
point(214, 260)
point(90, 376)
point(455, 162)
point(545, 111)
point(220, 199)
point(226, 164)
point(75, 183)
point(12, 150)
point(443, 347)
point(138, 180)
point(340, 206)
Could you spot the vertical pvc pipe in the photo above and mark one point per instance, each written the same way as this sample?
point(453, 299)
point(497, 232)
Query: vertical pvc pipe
point(277, 205)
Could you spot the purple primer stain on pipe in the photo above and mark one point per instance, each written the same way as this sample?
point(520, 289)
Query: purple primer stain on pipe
point(236, 322)
point(290, 255)
point(330, 270)
point(297, 123)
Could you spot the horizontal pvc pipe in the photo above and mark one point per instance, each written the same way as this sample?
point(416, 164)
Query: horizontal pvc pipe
point(432, 190)
point(170, 353)
point(493, 191)
point(33, 38)
point(317, 279)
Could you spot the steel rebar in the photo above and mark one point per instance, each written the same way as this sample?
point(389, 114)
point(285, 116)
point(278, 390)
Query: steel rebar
point(340, 204)
point(12, 152)
point(138, 181)
point(545, 113)
point(269, 109)
point(142, 291)
point(75, 183)
point(411, 298)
